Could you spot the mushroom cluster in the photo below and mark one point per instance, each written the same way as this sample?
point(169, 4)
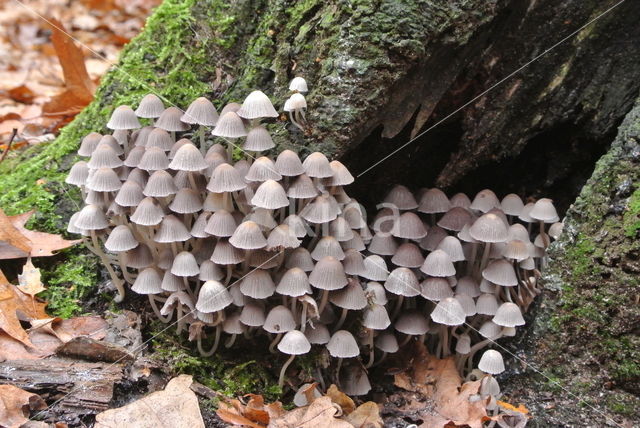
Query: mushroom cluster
point(275, 246)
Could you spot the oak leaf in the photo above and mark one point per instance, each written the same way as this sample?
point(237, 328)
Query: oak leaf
point(319, 414)
point(30, 279)
point(366, 415)
point(341, 399)
point(16, 405)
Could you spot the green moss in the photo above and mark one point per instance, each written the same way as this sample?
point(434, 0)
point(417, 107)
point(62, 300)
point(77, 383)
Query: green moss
point(622, 404)
point(631, 219)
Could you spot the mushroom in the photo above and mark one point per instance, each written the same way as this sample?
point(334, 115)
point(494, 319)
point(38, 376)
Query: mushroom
point(213, 297)
point(293, 343)
point(203, 113)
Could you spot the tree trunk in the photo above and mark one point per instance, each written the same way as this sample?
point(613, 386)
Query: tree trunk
point(383, 71)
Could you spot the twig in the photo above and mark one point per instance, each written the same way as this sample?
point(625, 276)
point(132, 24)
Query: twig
point(13, 136)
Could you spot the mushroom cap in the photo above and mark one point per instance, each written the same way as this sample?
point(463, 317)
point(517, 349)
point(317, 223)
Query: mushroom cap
point(435, 235)
point(555, 230)
point(257, 284)
point(138, 258)
point(408, 255)
point(412, 323)
point(463, 344)
point(438, 263)
point(282, 237)
point(288, 164)
point(353, 262)
point(467, 303)
point(508, 315)
point(229, 125)
point(376, 293)
point(316, 165)
point(129, 195)
point(153, 159)
point(327, 246)
point(543, 210)
point(147, 213)
point(436, 289)
point(279, 320)
point(225, 178)
point(297, 225)
point(263, 169)
point(402, 198)
point(375, 268)
point(104, 157)
point(526, 210)
point(387, 342)
point(123, 117)
point(485, 201)
point(356, 243)
point(186, 201)
point(434, 201)
point(300, 258)
point(202, 112)
point(376, 317)
point(383, 244)
point(258, 140)
point(270, 195)
point(148, 282)
point(160, 185)
point(343, 345)
point(188, 158)
point(295, 102)
point(91, 217)
point(516, 250)
point(294, 342)
point(121, 239)
point(467, 285)
point(353, 213)
point(487, 304)
point(294, 283)
point(298, 84)
point(452, 246)
point(71, 227)
point(341, 175)
point(89, 143)
point(455, 219)
point(448, 311)
point(160, 139)
point(491, 362)
point(490, 330)
point(320, 210)
point(134, 157)
point(328, 274)
point(402, 281)
point(257, 105)
point(210, 271)
point(185, 264)
point(252, 315)
point(221, 224)
point(409, 226)
point(489, 228)
point(213, 297)
point(171, 283)
point(302, 188)
point(351, 297)
point(263, 218)
point(232, 324)
point(172, 230)
point(317, 334)
point(78, 174)
point(103, 180)
point(139, 176)
point(170, 121)
point(500, 272)
point(512, 204)
point(248, 236)
point(150, 107)
point(354, 381)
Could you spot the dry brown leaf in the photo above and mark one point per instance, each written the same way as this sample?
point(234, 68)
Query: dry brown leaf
point(11, 349)
point(234, 418)
point(366, 415)
point(42, 244)
point(320, 414)
point(13, 244)
point(341, 399)
point(30, 279)
point(175, 407)
point(16, 404)
point(254, 410)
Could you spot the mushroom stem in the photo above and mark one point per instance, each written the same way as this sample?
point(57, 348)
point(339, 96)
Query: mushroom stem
point(338, 371)
point(544, 236)
point(231, 341)
point(229, 274)
point(371, 350)
point(398, 307)
point(203, 148)
point(445, 341)
point(472, 260)
point(211, 351)
point(123, 268)
point(154, 306)
point(303, 317)
point(475, 348)
point(107, 264)
point(283, 370)
point(381, 359)
point(485, 259)
point(274, 342)
point(323, 301)
point(405, 340)
point(343, 316)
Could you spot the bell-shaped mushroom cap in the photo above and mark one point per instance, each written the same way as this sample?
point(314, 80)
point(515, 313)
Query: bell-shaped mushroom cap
point(376, 317)
point(354, 215)
point(172, 230)
point(288, 164)
point(489, 228)
point(279, 320)
point(340, 230)
point(78, 174)
point(412, 323)
point(302, 188)
point(104, 180)
point(170, 121)
point(110, 141)
point(294, 283)
point(320, 210)
point(148, 282)
point(408, 255)
point(467, 303)
point(258, 140)
point(318, 334)
point(138, 258)
point(438, 263)
point(467, 285)
point(160, 185)
point(436, 289)
point(353, 262)
point(150, 106)
point(229, 125)
point(518, 232)
point(343, 345)
point(221, 224)
point(123, 117)
point(104, 157)
point(134, 157)
point(383, 244)
point(375, 268)
point(232, 324)
point(555, 230)
point(252, 314)
point(490, 330)
point(434, 201)
point(210, 271)
point(257, 105)
point(248, 236)
point(528, 264)
point(185, 265)
point(71, 227)
point(171, 283)
point(351, 297)
point(213, 297)
point(409, 226)
point(402, 281)
point(512, 204)
point(516, 250)
point(487, 286)
point(225, 178)
point(234, 107)
point(355, 243)
point(448, 311)
point(485, 201)
point(270, 195)
point(186, 201)
point(139, 137)
point(139, 176)
point(188, 158)
point(402, 198)
point(262, 217)
point(153, 159)
point(91, 217)
point(316, 165)
point(263, 169)
point(328, 274)
point(295, 102)
point(508, 315)
point(300, 258)
point(491, 362)
point(294, 342)
point(455, 219)
point(202, 112)
point(147, 213)
point(296, 225)
point(500, 272)
point(376, 292)
point(463, 344)
point(327, 246)
point(341, 175)
point(89, 144)
point(257, 284)
point(486, 304)
point(176, 146)
point(354, 381)
point(298, 84)
point(282, 237)
point(120, 239)
point(432, 240)
point(160, 139)
point(524, 214)
point(387, 342)
point(543, 210)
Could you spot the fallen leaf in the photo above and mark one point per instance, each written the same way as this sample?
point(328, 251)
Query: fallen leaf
point(234, 418)
point(11, 349)
point(13, 244)
point(30, 279)
point(22, 94)
point(16, 405)
point(42, 244)
point(319, 414)
point(520, 409)
point(366, 415)
point(341, 399)
point(175, 407)
point(254, 410)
